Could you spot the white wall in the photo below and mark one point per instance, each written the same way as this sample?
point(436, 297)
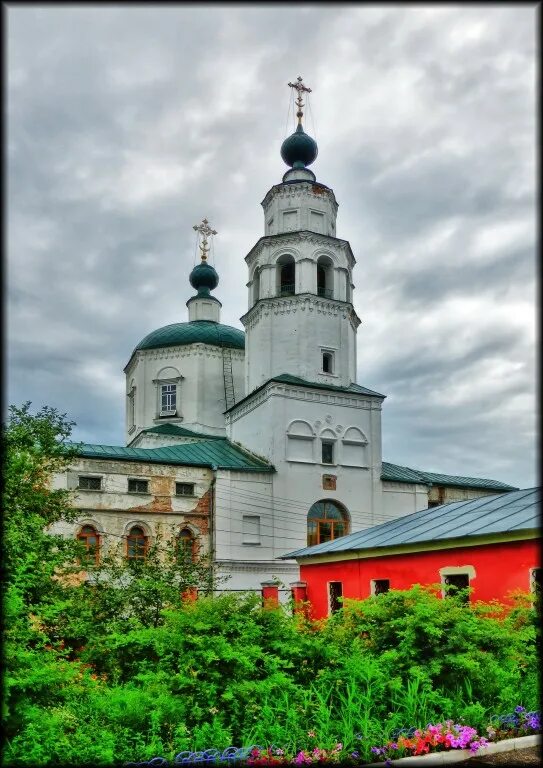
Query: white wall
point(403, 498)
point(199, 371)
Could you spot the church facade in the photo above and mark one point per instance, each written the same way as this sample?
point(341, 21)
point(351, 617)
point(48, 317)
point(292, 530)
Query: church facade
point(256, 443)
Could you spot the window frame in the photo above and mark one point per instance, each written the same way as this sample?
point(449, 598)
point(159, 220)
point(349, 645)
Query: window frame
point(89, 477)
point(83, 536)
point(169, 395)
point(330, 355)
point(250, 538)
point(330, 444)
point(138, 480)
point(317, 521)
point(131, 537)
point(373, 586)
point(186, 485)
point(181, 541)
point(333, 597)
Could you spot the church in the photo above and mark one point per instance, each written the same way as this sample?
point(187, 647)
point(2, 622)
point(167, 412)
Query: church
point(252, 444)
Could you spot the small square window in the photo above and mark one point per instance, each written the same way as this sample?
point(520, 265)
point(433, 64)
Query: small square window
point(327, 452)
point(89, 483)
point(138, 486)
point(380, 586)
point(184, 489)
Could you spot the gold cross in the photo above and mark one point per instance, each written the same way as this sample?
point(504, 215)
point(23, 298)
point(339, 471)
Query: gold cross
point(300, 87)
point(204, 230)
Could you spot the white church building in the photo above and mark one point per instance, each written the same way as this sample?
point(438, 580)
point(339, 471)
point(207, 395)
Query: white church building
point(258, 442)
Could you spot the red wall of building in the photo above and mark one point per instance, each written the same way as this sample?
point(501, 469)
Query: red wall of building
point(499, 568)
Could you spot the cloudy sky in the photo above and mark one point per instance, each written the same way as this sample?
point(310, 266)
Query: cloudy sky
point(129, 124)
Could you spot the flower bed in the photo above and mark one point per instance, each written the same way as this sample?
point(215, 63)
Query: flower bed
point(407, 743)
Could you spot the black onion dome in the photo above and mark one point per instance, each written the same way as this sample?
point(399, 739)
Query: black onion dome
point(204, 278)
point(299, 150)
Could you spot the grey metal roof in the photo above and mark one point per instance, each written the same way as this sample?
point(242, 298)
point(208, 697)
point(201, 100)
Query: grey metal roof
point(397, 473)
point(504, 512)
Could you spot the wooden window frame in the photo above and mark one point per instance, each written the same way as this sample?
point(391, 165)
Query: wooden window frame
point(131, 537)
point(84, 536)
point(181, 542)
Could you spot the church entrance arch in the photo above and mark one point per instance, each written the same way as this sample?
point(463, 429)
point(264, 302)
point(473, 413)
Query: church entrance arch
point(326, 520)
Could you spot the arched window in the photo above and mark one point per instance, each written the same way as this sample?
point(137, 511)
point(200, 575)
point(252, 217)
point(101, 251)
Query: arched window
point(185, 547)
point(88, 536)
point(256, 285)
point(326, 521)
point(325, 277)
point(136, 544)
point(286, 275)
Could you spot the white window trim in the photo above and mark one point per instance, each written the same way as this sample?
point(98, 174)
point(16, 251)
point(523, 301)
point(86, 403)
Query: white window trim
point(334, 443)
point(453, 570)
point(159, 383)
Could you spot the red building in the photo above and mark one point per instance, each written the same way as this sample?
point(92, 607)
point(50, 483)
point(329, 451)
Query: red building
point(490, 544)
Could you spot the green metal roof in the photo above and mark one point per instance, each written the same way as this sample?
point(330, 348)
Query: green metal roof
point(174, 430)
point(287, 378)
point(194, 332)
point(400, 474)
point(219, 453)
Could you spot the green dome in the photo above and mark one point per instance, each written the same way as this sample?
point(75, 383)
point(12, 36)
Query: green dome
point(204, 278)
point(299, 150)
point(195, 332)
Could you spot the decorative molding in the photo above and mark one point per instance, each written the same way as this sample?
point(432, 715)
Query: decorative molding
point(301, 236)
point(300, 302)
point(294, 392)
point(192, 350)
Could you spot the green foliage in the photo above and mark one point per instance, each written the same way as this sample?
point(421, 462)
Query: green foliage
point(119, 669)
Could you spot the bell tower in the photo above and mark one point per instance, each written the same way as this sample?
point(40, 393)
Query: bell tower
point(301, 320)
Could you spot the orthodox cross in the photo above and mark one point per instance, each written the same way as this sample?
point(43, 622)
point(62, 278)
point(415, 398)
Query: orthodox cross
point(205, 231)
point(300, 87)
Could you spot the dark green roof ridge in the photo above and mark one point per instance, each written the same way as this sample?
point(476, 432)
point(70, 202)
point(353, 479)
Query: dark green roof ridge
point(175, 430)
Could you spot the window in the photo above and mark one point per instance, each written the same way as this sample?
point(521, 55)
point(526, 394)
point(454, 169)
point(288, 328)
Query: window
point(136, 544)
point(380, 586)
point(251, 529)
point(138, 486)
point(455, 583)
point(87, 483)
point(327, 452)
point(186, 550)
point(132, 408)
point(328, 362)
point(325, 277)
point(335, 595)
point(326, 521)
point(184, 489)
point(88, 536)
point(286, 275)
point(168, 399)
point(300, 438)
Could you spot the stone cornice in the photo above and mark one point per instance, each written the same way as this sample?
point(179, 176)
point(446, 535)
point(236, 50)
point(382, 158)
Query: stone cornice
point(305, 393)
point(300, 302)
point(301, 236)
point(301, 188)
point(189, 350)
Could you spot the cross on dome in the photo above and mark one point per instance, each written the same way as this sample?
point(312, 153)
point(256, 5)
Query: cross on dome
point(204, 231)
point(300, 87)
